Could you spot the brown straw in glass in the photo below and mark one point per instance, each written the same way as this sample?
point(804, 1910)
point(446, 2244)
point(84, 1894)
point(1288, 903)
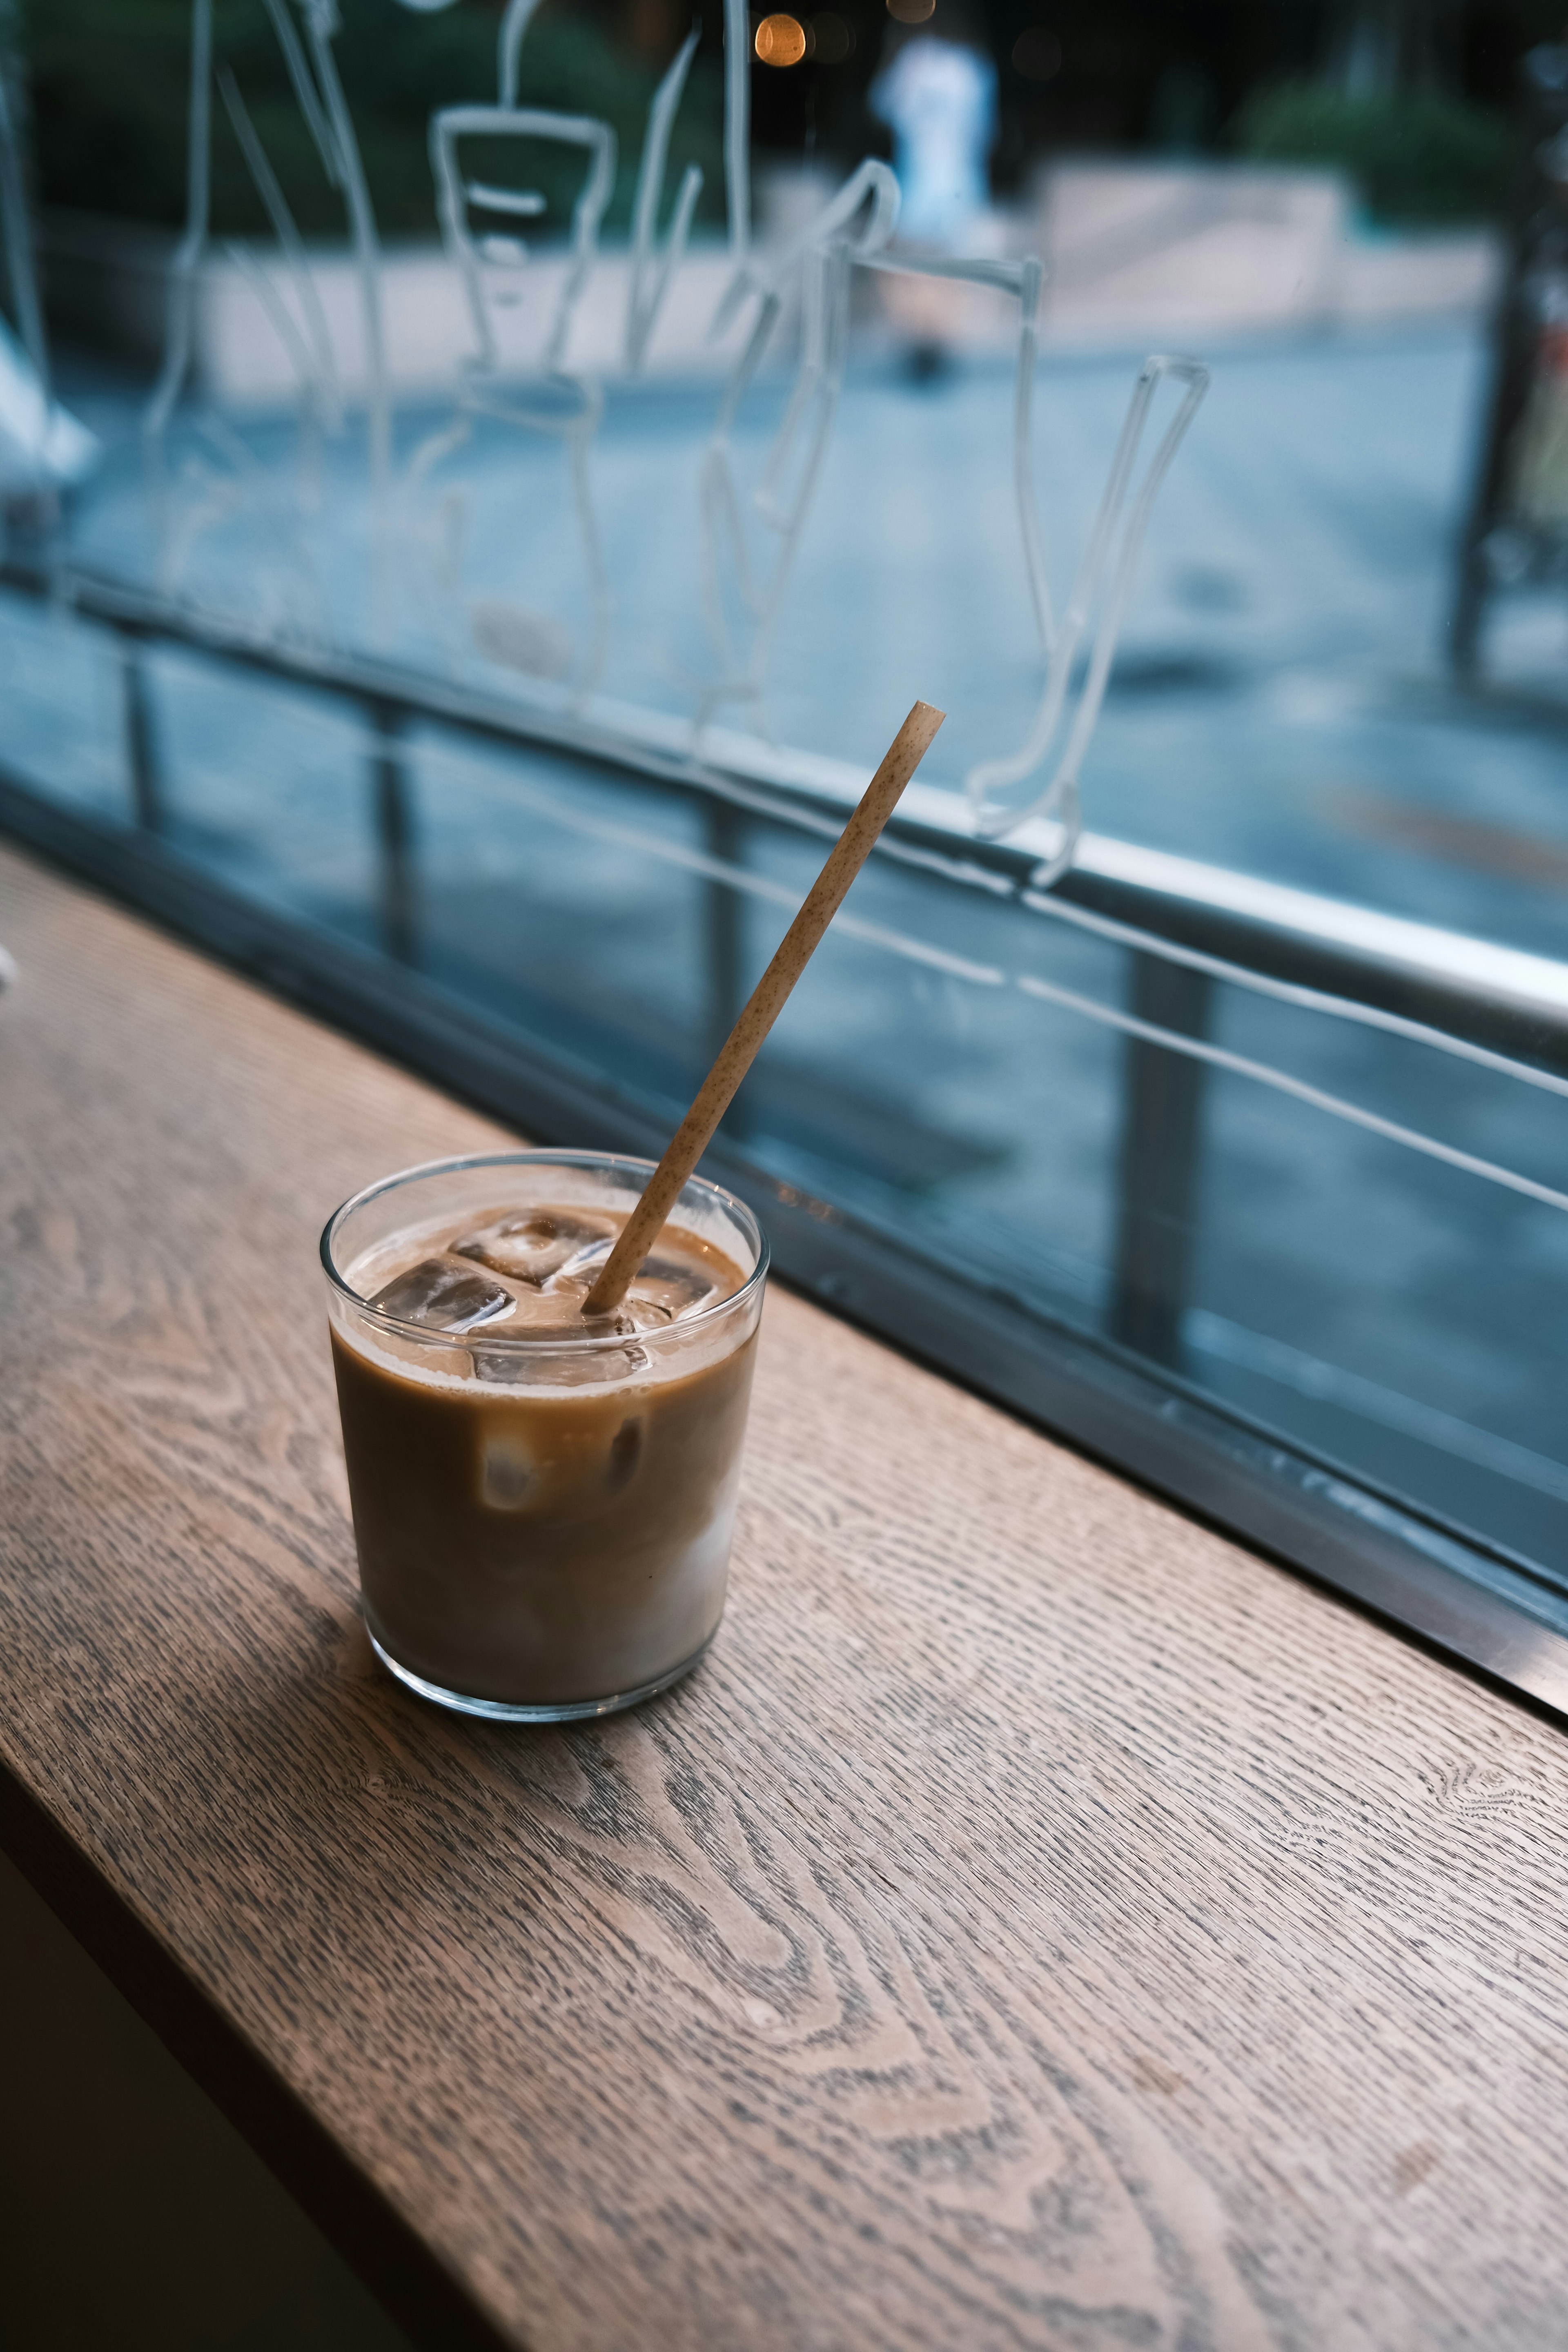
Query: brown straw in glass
point(735, 1057)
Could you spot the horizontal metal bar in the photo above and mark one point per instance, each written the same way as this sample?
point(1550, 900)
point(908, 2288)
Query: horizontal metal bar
point(1468, 1598)
point(1474, 989)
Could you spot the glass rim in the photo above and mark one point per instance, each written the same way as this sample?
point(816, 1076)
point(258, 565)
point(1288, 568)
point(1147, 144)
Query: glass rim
point(489, 1336)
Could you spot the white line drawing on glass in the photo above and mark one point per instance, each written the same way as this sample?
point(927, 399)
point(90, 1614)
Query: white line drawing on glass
point(564, 402)
point(748, 544)
point(816, 268)
point(457, 199)
point(326, 112)
point(825, 255)
point(43, 448)
point(560, 402)
point(738, 128)
point(1104, 583)
point(509, 45)
point(180, 330)
point(645, 297)
point(301, 327)
point(220, 480)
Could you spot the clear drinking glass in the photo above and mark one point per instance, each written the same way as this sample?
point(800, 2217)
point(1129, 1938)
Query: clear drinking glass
point(543, 1521)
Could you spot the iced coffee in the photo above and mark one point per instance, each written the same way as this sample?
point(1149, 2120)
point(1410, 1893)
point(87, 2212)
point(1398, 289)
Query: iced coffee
point(542, 1504)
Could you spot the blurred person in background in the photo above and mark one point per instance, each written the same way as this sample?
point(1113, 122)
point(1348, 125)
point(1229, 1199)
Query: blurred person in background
point(936, 91)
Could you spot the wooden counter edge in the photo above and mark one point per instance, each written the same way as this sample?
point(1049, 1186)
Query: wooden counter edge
point(388, 2257)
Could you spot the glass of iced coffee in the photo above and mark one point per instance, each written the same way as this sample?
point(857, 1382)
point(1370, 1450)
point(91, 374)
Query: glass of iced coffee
point(543, 1505)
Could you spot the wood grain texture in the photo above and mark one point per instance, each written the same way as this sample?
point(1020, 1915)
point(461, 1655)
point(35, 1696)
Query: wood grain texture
point(1039, 1923)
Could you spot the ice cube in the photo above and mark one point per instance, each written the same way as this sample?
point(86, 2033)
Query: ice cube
point(587, 1260)
point(535, 1244)
point(507, 1471)
point(676, 1285)
point(562, 1298)
point(643, 1314)
point(442, 1296)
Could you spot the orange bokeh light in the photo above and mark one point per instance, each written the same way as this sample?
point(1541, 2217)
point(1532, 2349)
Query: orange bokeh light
point(780, 41)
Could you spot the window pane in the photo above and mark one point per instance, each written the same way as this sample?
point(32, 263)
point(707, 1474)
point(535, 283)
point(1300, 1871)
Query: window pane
point(415, 559)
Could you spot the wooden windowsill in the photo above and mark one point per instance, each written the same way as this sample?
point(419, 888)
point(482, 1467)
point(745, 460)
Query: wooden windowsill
point(1039, 1922)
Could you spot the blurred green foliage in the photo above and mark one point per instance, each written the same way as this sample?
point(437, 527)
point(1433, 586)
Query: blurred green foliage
point(109, 84)
point(1419, 159)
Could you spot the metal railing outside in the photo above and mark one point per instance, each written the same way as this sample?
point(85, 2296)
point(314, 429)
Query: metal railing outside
point(1183, 927)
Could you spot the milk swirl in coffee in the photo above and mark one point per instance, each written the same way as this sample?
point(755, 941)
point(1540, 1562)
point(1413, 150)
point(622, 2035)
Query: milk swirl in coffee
point(543, 1505)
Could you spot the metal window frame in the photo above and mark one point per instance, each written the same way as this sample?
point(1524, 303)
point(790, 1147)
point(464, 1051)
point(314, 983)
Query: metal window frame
point(1111, 1398)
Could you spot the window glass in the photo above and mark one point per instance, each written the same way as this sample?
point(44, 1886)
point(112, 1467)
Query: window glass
point(483, 484)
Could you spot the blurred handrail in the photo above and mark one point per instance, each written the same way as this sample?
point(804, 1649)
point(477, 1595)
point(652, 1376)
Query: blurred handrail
point(1474, 989)
point(1120, 1383)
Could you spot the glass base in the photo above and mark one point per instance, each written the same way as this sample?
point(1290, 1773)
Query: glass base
point(565, 1710)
